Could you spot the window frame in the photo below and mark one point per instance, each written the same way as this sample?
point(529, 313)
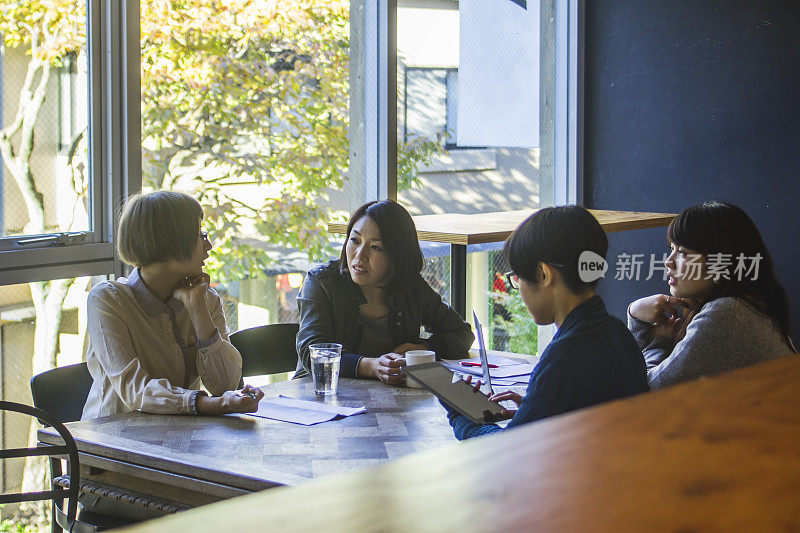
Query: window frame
point(115, 124)
point(373, 100)
point(114, 141)
point(568, 114)
point(563, 76)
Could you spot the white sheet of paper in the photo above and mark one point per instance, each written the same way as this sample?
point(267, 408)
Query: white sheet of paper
point(510, 382)
point(493, 359)
point(498, 382)
point(502, 372)
point(285, 413)
point(318, 406)
point(303, 412)
point(511, 371)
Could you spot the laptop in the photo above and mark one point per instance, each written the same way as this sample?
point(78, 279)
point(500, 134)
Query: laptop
point(486, 388)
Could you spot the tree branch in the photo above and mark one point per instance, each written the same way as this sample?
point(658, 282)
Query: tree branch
point(27, 84)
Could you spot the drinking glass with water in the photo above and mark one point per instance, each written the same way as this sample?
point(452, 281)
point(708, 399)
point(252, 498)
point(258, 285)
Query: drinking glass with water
point(325, 361)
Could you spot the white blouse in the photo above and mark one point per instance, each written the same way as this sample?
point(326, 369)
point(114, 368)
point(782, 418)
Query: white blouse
point(144, 355)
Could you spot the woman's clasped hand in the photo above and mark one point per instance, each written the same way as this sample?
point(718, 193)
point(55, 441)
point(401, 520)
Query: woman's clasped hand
point(668, 315)
point(387, 368)
point(232, 401)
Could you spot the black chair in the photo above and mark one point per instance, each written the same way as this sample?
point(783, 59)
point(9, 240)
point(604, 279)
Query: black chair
point(267, 349)
point(62, 392)
point(56, 493)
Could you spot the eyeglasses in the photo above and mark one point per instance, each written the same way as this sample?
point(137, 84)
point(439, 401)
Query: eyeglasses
point(512, 279)
point(204, 235)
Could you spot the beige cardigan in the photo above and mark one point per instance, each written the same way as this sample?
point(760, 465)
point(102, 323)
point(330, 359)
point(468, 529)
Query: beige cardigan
point(143, 354)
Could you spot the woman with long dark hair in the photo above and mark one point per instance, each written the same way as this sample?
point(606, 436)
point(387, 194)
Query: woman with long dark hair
point(726, 308)
point(373, 300)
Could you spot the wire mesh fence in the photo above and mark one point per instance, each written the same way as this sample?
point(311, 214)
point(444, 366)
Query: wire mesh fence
point(28, 346)
point(273, 299)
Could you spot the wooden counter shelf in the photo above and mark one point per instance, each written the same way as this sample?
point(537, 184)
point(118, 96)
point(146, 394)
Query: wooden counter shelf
point(482, 228)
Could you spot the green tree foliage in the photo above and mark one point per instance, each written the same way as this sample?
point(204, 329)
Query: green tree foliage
point(235, 93)
point(252, 93)
point(522, 330)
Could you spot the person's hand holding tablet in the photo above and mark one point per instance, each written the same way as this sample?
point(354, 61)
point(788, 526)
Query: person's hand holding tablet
point(505, 414)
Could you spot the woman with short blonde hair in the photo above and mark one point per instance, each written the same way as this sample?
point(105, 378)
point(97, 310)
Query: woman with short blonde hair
point(158, 334)
point(141, 240)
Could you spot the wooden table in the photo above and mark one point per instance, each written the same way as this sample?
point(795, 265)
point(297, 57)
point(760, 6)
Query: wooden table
point(194, 460)
point(462, 230)
point(720, 454)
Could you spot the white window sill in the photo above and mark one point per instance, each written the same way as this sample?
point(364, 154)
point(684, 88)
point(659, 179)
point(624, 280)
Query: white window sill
point(463, 160)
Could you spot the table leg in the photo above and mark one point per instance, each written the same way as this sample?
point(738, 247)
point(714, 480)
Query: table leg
point(458, 278)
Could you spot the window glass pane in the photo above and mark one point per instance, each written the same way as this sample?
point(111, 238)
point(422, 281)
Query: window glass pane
point(42, 325)
point(426, 102)
point(44, 187)
point(464, 178)
point(245, 106)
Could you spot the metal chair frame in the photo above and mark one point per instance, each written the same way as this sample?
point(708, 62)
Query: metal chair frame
point(62, 393)
point(66, 521)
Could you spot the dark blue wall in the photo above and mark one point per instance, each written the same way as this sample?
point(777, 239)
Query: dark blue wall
point(687, 101)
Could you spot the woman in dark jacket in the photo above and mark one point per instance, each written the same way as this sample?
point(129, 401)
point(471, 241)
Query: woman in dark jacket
point(374, 301)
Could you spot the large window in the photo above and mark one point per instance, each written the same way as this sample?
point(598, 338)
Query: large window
point(277, 121)
point(45, 182)
point(64, 136)
point(470, 77)
point(252, 110)
point(55, 191)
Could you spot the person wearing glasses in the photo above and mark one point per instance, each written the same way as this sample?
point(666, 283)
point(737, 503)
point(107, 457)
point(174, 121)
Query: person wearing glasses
point(592, 358)
point(156, 335)
point(373, 300)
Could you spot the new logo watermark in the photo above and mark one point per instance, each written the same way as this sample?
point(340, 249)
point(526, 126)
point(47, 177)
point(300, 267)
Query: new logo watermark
point(591, 266)
point(715, 266)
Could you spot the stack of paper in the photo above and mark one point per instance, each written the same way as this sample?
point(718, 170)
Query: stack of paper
point(302, 411)
point(508, 371)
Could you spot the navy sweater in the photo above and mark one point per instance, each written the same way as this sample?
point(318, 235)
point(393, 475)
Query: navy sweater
point(592, 359)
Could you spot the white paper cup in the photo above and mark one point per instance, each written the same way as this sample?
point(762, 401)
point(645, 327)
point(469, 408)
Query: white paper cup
point(418, 357)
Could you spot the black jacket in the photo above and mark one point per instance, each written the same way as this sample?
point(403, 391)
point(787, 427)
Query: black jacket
point(329, 312)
